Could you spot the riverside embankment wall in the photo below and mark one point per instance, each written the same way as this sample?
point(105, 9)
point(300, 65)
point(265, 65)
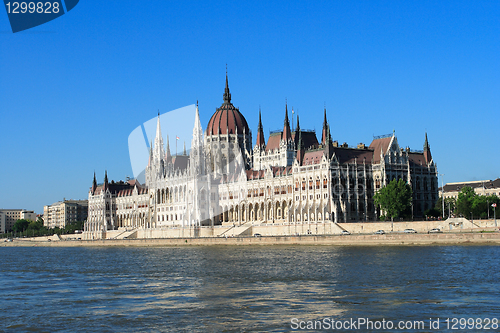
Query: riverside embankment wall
point(448, 238)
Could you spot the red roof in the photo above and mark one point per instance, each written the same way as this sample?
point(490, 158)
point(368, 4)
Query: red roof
point(255, 174)
point(417, 158)
point(274, 141)
point(312, 157)
point(351, 155)
point(308, 137)
point(227, 120)
point(380, 144)
point(279, 171)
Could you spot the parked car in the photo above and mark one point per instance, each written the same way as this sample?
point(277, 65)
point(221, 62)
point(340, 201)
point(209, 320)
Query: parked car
point(410, 231)
point(345, 232)
point(257, 235)
point(434, 231)
point(379, 232)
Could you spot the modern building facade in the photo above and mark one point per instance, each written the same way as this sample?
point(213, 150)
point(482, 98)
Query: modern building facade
point(293, 178)
point(61, 213)
point(2, 222)
point(10, 216)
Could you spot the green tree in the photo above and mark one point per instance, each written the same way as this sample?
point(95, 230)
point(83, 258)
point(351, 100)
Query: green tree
point(433, 212)
point(395, 198)
point(465, 201)
point(449, 206)
point(70, 228)
point(21, 225)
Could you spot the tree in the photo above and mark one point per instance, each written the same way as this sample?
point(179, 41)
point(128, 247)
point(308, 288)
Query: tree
point(395, 198)
point(432, 212)
point(449, 206)
point(71, 227)
point(465, 201)
point(21, 225)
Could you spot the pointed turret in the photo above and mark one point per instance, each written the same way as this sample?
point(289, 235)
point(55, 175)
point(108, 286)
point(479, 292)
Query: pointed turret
point(106, 185)
point(184, 152)
point(328, 143)
point(227, 94)
point(159, 152)
point(287, 134)
point(296, 135)
point(196, 155)
point(300, 145)
point(94, 185)
point(325, 131)
point(168, 156)
point(261, 142)
point(427, 150)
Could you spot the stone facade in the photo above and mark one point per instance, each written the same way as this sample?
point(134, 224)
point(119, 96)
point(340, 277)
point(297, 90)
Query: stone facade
point(292, 179)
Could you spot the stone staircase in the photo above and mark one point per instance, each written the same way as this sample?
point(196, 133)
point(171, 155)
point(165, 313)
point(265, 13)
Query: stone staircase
point(237, 231)
point(127, 234)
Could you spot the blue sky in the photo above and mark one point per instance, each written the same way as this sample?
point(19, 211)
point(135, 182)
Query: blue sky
point(72, 90)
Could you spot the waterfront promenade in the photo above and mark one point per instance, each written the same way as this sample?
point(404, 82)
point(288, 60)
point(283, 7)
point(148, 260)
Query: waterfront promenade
point(463, 237)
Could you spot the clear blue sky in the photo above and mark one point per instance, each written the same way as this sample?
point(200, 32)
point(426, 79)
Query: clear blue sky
point(72, 90)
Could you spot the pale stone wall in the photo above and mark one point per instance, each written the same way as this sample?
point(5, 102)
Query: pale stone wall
point(448, 238)
point(296, 229)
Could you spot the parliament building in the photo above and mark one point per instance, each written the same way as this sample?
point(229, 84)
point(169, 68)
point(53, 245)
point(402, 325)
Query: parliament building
point(293, 177)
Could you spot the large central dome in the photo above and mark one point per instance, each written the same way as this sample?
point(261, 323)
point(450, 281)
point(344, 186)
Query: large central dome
point(227, 119)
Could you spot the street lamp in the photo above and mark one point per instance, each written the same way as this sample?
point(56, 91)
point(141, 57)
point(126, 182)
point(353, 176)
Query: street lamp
point(442, 190)
point(494, 205)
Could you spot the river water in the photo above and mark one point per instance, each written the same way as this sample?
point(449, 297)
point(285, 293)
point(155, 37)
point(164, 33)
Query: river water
point(246, 288)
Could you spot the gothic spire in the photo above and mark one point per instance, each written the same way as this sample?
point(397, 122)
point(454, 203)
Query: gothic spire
point(261, 142)
point(326, 129)
point(328, 143)
point(197, 130)
point(159, 150)
point(300, 145)
point(287, 134)
point(168, 156)
point(427, 150)
point(227, 94)
point(94, 184)
point(105, 180)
